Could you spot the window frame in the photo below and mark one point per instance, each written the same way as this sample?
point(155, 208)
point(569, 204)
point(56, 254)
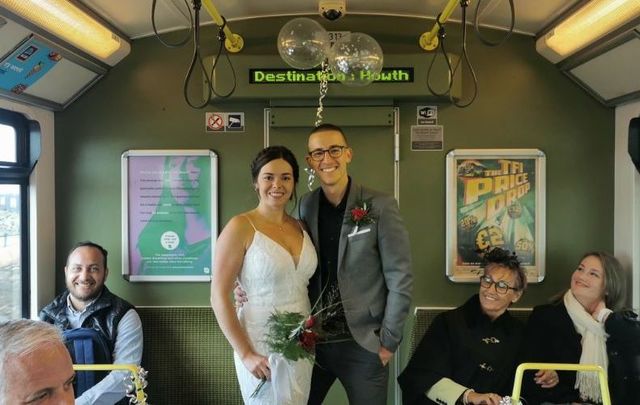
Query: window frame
point(18, 173)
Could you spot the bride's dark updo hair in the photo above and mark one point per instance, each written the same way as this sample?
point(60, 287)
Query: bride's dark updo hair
point(270, 153)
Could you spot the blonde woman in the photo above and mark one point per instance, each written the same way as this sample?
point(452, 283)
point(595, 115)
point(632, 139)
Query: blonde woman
point(579, 326)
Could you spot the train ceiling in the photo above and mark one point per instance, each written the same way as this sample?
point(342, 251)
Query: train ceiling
point(607, 69)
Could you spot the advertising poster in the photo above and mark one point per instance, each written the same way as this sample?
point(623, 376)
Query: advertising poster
point(495, 198)
point(170, 209)
point(26, 65)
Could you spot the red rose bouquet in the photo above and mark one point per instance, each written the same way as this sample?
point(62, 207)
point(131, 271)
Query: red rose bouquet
point(293, 335)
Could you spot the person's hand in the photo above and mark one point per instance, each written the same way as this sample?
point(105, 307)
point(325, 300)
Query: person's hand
point(477, 398)
point(239, 295)
point(546, 378)
point(258, 365)
point(385, 355)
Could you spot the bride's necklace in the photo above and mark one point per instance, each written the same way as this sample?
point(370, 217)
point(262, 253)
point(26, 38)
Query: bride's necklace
point(281, 227)
point(274, 224)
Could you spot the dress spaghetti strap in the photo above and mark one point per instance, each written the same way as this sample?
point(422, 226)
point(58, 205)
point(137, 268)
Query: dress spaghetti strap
point(251, 222)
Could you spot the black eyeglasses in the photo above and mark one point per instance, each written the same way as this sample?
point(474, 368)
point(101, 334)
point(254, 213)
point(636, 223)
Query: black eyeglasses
point(335, 151)
point(501, 286)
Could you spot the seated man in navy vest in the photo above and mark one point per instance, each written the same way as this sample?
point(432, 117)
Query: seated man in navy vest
point(88, 304)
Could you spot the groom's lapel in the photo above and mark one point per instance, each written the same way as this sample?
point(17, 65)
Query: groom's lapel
point(347, 226)
point(314, 206)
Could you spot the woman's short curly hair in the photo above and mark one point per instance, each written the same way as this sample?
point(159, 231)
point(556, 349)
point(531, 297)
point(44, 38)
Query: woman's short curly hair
point(504, 258)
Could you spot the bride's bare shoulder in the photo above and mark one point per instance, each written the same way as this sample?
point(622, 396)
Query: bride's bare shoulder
point(239, 227)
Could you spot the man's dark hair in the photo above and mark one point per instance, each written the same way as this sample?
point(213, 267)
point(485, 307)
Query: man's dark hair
point(88, 243)
point(503, 257)
point(328, 127)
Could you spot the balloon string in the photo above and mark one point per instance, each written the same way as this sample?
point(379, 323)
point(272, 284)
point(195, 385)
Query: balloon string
point(324, 86)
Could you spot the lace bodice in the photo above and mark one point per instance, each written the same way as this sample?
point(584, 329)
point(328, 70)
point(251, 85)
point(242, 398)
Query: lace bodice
point(273, 282)
point(271, 278)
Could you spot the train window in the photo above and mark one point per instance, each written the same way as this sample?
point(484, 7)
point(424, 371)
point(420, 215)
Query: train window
point(14, 180)
point(7, 143)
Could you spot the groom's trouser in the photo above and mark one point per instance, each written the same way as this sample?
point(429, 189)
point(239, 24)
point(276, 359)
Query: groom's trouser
point(361, 373)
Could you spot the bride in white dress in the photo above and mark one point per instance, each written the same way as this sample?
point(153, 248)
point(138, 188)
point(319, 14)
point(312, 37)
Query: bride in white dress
point(272, 257)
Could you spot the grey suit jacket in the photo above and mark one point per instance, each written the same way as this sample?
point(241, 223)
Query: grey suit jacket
point(374, 268)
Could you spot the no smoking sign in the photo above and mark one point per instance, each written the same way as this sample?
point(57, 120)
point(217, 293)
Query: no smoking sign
point(224, 122)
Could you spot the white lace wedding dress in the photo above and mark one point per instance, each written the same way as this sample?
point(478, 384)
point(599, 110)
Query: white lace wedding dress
point(274, 281)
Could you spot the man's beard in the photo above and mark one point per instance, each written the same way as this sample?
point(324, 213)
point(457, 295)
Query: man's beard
point(89, 296)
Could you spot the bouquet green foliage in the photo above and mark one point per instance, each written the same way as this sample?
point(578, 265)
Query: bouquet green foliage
point(292, 335)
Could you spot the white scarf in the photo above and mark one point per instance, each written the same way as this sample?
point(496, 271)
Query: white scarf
point(594, 348)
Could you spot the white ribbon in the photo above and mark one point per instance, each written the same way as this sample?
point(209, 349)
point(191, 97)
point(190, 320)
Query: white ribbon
point(283, 381)
point(312, 177)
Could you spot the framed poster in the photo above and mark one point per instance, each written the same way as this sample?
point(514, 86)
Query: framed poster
point(169, 214)
point(495, 198)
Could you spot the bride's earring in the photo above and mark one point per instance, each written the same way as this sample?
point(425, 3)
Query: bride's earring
point(312, 177)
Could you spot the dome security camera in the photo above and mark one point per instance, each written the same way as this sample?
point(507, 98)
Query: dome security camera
point(332, 9)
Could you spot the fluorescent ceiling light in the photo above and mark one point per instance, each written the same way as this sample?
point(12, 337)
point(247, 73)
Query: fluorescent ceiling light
point(71, 24)
point(589, 23)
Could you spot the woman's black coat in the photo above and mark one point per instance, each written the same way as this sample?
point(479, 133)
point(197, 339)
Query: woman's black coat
point(466, 346)
point(551, 337)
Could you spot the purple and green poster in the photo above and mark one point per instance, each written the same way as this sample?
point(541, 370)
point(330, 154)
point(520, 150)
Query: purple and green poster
point(170, 215)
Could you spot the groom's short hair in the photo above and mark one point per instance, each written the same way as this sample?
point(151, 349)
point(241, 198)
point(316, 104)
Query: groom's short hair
point(329, 127)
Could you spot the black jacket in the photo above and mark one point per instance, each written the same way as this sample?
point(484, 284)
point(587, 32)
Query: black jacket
point(104, 315)
point(623, 349)
point(552, 338)
point(466, 346)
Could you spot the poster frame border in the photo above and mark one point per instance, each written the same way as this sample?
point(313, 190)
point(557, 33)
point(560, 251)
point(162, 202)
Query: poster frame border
point(126, 214)
point(452, 270)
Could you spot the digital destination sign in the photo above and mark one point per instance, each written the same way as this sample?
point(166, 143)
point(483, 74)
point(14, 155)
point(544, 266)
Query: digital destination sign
point(295, 76)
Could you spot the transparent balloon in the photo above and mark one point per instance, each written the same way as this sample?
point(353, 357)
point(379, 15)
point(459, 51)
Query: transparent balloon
point(356, 59)
point(303, 43)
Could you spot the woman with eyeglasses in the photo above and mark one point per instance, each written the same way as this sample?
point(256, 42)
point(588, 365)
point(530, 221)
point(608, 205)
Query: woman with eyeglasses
point(468, 354)
point(579, 326)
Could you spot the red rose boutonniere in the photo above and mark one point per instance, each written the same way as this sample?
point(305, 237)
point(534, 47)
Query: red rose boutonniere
point(361, 215)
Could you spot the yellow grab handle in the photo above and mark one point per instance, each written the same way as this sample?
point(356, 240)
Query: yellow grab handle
point(602, 377)
point(141, 397)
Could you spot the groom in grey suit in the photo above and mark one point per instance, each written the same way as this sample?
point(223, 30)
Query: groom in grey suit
point(364, 266)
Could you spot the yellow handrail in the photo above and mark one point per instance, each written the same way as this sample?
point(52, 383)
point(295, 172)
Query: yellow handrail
point(602, 377)
point(141, 397)
point(429, 40)
point(233, 42)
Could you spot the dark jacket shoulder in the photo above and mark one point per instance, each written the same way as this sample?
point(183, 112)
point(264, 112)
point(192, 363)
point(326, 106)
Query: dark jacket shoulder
point(623, 350)
point(103, 315)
